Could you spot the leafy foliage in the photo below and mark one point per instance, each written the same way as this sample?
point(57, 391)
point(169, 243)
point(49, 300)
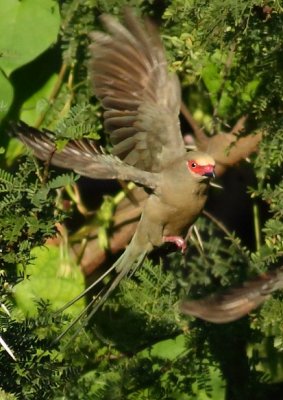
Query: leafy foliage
point(27, 209)
point(79, 123)
point(228, 56)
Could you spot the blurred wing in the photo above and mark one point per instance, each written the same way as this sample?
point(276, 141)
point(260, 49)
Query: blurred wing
point(82, 157)
point(129, 74)
point(235, 303)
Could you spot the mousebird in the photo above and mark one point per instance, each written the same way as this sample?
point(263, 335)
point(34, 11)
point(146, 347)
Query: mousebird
point(130, 77)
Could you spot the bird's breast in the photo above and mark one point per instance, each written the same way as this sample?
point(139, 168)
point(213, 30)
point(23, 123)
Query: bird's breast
point(175, 208)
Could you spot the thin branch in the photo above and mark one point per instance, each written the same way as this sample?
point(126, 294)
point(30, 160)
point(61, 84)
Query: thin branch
point(53, 93)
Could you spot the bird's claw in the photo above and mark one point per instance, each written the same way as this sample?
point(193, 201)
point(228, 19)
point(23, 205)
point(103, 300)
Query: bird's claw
point(178, 240)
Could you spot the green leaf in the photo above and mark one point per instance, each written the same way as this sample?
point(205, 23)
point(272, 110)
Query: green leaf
point(212, 79)
point(6, 94)
point(35, 105)
point(14, 149)
point(168, 349)
point(225, 104)
point(250, 90)
point(27, 29)
point(51, 278)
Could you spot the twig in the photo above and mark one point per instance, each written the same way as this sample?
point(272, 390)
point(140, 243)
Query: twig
point(256, 226)
point(53, 94)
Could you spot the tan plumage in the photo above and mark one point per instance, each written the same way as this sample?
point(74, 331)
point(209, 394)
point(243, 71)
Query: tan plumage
point(142, 100)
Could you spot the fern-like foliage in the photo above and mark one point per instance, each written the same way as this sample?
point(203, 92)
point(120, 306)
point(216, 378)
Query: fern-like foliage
point(29, 216)
point(81, 121)
point(25, 205)
point(37, 364)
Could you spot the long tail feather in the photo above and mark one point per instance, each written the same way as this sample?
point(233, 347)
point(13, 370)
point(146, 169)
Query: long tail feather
point(123, 265)
point(77, 319)
point(87, 290)
point(114, 284)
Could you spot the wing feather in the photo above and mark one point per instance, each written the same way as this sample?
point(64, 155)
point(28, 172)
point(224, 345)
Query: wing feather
point(130, 76)
point(82, 157)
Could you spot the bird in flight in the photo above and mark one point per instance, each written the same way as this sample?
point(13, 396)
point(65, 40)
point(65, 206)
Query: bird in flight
point(129, 74)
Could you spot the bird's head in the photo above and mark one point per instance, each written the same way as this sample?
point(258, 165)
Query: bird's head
point(201, 165)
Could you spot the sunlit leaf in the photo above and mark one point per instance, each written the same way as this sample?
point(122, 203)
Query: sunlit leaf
point(27, 29)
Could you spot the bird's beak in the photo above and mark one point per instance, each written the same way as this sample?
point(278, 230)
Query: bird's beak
point(209, 171)
point(210, 174)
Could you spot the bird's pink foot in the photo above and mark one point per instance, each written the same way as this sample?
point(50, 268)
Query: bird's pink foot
point(178, 240)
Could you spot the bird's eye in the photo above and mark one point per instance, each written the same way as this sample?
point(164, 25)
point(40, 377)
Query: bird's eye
point(193, 164)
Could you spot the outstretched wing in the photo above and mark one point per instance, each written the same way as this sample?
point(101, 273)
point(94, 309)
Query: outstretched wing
point(237, 302)
point(129, 74)
point(82, 157)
